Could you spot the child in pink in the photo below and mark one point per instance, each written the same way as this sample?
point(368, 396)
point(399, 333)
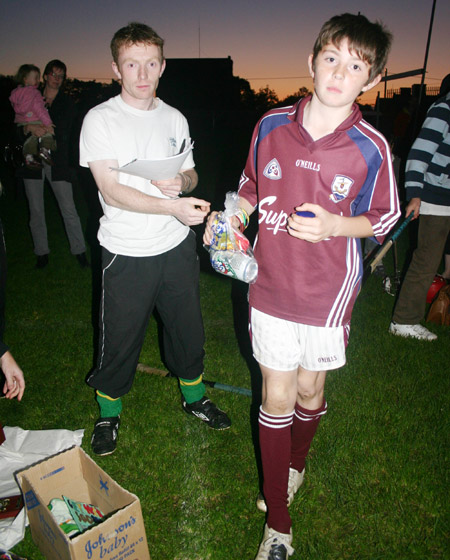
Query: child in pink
point(29, 107)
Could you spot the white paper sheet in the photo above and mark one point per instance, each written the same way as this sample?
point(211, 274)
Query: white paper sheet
point(155, 169)
point(21, 449)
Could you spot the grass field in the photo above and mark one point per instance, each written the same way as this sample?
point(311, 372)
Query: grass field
point(377, 483)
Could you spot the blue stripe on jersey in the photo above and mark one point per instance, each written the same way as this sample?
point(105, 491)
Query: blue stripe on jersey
point(373, 159)
point(267, 125)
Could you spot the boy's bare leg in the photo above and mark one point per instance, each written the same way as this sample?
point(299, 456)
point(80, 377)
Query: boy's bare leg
point(310, 388)
point(279, 390)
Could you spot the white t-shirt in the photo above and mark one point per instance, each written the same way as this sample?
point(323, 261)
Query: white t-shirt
point(115, 130)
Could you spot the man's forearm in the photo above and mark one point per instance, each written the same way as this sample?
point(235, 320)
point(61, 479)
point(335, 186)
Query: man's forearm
point(133, 200)
point(123, 196)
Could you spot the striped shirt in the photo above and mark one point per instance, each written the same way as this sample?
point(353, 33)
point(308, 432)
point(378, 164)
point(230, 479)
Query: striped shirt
point(428, 165)
point(348, 172)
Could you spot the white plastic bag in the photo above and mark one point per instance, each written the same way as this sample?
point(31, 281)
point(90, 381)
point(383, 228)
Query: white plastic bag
point(21, 449)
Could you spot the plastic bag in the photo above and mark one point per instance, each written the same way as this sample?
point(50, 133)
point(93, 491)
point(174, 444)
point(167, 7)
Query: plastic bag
point(230, 251)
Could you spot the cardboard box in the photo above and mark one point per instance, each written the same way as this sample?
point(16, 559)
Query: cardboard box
point(74, 474)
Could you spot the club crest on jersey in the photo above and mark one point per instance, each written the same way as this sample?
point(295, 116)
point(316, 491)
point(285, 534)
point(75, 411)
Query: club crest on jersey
point(272, 170)
point(340, 188)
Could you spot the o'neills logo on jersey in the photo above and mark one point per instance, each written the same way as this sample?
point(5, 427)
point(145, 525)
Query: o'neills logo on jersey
point(272, 170)
point(308, 165)
point(340, 188)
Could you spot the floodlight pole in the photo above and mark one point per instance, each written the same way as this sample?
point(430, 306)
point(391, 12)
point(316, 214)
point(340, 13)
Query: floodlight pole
point(427, 50)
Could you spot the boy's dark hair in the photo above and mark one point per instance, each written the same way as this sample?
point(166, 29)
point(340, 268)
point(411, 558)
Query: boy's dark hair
point(23, 72)
point(371, 41)
point(133, 34)
point(55, 63)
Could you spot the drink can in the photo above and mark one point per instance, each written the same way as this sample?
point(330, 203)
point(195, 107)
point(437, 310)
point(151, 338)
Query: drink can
point(235, 264)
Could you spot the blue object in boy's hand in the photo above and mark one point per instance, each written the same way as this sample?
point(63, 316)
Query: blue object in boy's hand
point(305, 214)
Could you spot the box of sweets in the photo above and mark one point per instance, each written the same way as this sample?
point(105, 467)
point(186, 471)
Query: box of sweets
point(119, 536)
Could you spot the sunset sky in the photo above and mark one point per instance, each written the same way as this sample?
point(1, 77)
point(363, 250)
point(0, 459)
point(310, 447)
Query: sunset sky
point(268, 41)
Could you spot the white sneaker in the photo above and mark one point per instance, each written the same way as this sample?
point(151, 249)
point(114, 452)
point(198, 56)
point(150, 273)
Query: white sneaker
point(294, 483)
point(261, 502)
point(412, 331)
point(275, 545)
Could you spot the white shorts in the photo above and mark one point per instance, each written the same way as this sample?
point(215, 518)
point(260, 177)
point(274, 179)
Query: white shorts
point(284, 345)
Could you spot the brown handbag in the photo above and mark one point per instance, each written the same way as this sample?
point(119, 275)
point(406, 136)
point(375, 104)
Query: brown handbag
point(439, 312)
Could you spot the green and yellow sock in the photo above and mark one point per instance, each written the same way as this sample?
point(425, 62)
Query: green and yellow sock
point(192, 389)
point(109, 407)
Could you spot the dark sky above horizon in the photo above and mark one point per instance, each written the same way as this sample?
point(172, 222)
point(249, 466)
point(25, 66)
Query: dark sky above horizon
point(268, 41)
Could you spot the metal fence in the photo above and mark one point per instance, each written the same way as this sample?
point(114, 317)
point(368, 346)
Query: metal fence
point(430, 91)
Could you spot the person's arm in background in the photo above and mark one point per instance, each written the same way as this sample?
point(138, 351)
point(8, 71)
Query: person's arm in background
point(15, 383)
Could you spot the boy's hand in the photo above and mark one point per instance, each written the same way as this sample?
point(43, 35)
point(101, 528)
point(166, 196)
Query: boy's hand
point(322, 226)
point(208, 234)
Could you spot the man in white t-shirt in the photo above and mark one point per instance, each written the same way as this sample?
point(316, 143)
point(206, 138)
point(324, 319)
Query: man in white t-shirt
point(148, 249)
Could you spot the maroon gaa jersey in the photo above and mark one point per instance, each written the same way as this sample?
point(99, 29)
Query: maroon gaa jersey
point(348, 172)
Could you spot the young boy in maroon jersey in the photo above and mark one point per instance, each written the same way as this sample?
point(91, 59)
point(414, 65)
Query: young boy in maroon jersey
point(321, 158)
